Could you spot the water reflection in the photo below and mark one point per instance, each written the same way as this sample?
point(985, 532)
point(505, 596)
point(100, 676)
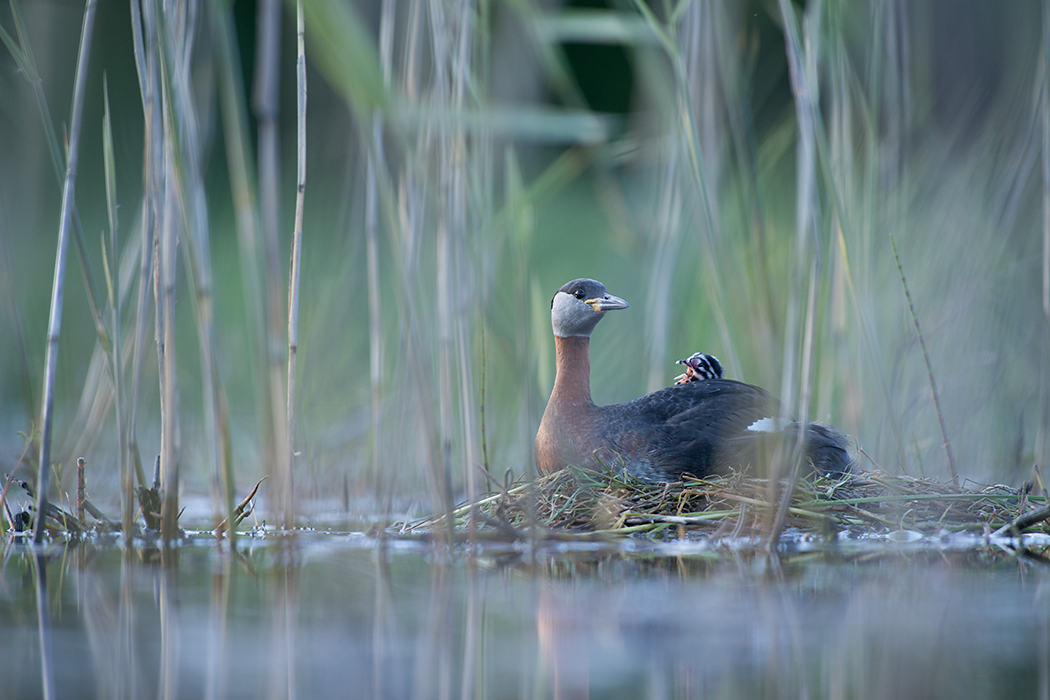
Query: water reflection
point(216, 680)
point(43, 618)
point(346, 616)
point(282, 603)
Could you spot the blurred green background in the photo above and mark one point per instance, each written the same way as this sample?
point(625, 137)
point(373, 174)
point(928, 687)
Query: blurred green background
point(661, 148)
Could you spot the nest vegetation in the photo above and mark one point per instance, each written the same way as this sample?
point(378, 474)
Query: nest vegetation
point(575, 502)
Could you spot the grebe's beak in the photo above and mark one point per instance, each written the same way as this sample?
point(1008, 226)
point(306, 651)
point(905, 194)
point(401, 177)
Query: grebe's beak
point(606, 303)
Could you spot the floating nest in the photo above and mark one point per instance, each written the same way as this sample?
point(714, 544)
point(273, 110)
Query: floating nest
point(577, 503)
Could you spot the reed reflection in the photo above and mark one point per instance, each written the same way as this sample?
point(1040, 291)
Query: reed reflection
point(1042, 603)
point(473, 677)
point(563, 642)
point(108, 614)
point(216, 670)
point(386, 634)
point(306, 618)
point(283, 611)
point(43, 619)
point(127, 664)
point(437, 644)
point(170, 647)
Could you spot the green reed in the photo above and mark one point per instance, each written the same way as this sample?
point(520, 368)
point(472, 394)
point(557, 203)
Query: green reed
point(459, 176)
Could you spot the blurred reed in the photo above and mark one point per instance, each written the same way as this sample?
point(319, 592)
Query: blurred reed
point(265, 108)
point(243, 188)
point(146, 69)
point(1042, 451)
point(58, 284)
point(929, 368)
point(114, 289)
point(806, 274)
point(742, 202)
point(297, 245)
point(172, 34)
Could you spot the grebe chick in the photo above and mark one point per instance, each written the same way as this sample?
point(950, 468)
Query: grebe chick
point(699, 366)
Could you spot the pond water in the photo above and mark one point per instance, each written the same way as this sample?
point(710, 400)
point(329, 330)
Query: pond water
point(344, 615)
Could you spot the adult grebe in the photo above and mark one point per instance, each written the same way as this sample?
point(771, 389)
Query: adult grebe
point(697, 427)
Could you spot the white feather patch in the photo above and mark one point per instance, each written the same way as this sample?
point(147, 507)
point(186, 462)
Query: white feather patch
point(769, 425)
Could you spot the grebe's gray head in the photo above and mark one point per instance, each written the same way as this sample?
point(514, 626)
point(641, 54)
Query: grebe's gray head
point(579, 305)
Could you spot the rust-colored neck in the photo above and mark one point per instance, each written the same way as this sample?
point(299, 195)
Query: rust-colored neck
point(572, 383)
point(567, 433)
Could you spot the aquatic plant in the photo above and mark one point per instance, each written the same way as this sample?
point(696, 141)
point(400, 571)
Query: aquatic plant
point(739, 178)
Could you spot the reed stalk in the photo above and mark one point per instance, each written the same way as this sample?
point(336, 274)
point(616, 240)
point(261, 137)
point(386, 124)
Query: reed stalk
point(58, 288)
point(929, 366)
point(375, 328)
point(242, 183)
point(174, 42)
point(1041, 438)
point(481, 412)
point(113, 285)
point(852, 237)
point(144, 36)
point(297, 234)
point(669, 213)
point(164, 300)
point(80, 491)
point(461, 151)
point(265, 107)
point(796, 379)
point(185, 169)
point(832, 371)
point(679, 39)
point(404, 195)
point(446, 237)
point(807, 222)
point(417, 184)
point(375, 154)
point(726, 161)
point(661, 274)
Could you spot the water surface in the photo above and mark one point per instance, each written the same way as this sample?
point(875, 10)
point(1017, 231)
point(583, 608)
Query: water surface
point(344, 615)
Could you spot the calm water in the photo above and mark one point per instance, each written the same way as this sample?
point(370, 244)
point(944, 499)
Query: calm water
point(323, 615)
